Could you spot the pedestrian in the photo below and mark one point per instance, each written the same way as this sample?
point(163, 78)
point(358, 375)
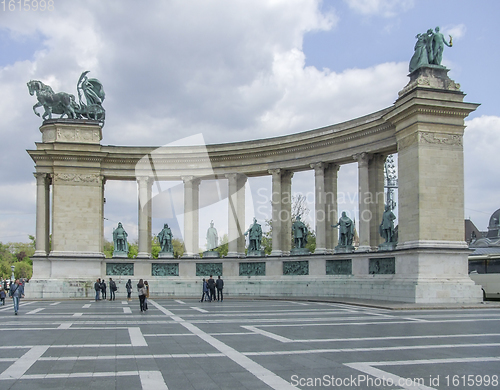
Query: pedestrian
point(219, 283)
point(147, 294)
point(112, 289)
point(204, 293)
point(97, 288)
point(2, 295)
point(16, 292)
point(141, 291)
point(211, 287)
point(128, 286)
point(103, 289)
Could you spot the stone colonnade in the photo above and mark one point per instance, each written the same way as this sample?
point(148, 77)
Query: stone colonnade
point(371, 202)
point(424, 126)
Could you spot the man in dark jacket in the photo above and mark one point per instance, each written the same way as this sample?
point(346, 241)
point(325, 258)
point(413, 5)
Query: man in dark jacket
point(112, 289)
point(103, 289)
point(219, 283)
point(97, 288)
point(211, 287)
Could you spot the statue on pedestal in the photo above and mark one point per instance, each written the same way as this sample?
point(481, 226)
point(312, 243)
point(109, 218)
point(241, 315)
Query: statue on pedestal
point(346, 234)
point(300, 231)
point(165, 241)
point(120, 241)
point(254, 234)
point(387, 229)
point(212, 242)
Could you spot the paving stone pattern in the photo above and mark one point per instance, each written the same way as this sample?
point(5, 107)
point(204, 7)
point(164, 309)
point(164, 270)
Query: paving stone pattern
point(242, 344)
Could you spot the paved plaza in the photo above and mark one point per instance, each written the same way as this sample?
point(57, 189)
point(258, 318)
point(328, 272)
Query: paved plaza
point(245, 344)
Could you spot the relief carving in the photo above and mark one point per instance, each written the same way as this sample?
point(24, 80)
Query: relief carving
point(78, 178)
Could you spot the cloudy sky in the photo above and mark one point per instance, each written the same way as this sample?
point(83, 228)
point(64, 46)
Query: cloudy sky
point(233, 70)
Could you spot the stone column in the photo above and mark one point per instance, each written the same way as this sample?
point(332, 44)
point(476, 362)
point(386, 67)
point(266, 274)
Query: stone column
point(236, 214)
point(286, 212)
point(377, 201)
point(240, 212)
point(320, 207)
point(191, 218)
point(42, 214)
point(145, 191)
point(364, 202)
point(276, 213)
point(331, 208)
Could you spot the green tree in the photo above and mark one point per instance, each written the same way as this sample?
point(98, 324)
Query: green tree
point(23, 270)
point(223, 247)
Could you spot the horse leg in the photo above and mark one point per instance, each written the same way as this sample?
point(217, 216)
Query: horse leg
point(35, 107)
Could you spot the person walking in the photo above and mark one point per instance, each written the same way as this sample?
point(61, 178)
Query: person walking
point(141, 291)
point(97, 288)
point(16, 292)
point(128, 286)
point(211, 287)
point(219, 284)
point(204, 294)
point(103, 289)
point(112, 289)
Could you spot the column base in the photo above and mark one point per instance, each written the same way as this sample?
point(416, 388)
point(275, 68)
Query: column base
point(143, 255)
point(276, 253)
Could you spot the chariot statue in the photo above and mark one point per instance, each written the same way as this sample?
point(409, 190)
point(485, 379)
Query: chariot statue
point(64, 104)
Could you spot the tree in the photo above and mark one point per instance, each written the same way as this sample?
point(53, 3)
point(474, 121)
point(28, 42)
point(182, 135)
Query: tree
point(223, 247)
point(299, 208)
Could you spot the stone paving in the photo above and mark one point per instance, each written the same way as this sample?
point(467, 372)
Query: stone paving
point(246, 344)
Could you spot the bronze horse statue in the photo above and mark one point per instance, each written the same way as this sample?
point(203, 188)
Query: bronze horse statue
point(53, 103)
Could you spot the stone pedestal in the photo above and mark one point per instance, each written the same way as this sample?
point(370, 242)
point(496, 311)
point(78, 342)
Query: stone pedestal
point(211, 255)
point(166, 255)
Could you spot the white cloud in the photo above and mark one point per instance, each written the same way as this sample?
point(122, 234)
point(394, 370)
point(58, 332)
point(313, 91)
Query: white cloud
point(386, 8)
point(482, 159)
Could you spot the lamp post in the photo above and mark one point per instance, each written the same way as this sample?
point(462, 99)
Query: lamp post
point(12, 278)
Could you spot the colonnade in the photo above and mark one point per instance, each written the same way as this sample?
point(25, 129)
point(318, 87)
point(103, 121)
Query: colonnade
point(370, 195)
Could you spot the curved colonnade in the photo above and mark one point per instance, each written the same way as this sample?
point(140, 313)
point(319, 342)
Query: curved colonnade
point(425, 126)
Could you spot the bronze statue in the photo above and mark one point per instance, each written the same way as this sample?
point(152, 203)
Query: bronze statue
point(346, 230)
point(300, 231)
point(165, 240)
point(120, 240)
point(63, 103)
point(254, 234)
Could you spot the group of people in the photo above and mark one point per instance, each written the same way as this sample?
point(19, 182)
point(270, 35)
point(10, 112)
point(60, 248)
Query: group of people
point(100, 288)
point(15, 291)
point(209, 287)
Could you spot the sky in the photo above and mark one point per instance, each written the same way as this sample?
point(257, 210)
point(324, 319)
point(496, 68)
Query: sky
point(234, 70)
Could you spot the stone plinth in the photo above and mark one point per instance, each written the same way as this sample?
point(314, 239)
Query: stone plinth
point(71, 131)
point(211, 255)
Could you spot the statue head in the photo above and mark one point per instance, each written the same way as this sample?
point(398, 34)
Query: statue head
point(211, 223)
point(344, 214)
point(437, 29)
point(165, 226)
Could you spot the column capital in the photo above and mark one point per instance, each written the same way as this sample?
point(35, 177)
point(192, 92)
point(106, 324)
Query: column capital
point(332, 167)
point(362, 158)
point(191, 179)
point(318, 166)
point(143, 179)
point(275, 172)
